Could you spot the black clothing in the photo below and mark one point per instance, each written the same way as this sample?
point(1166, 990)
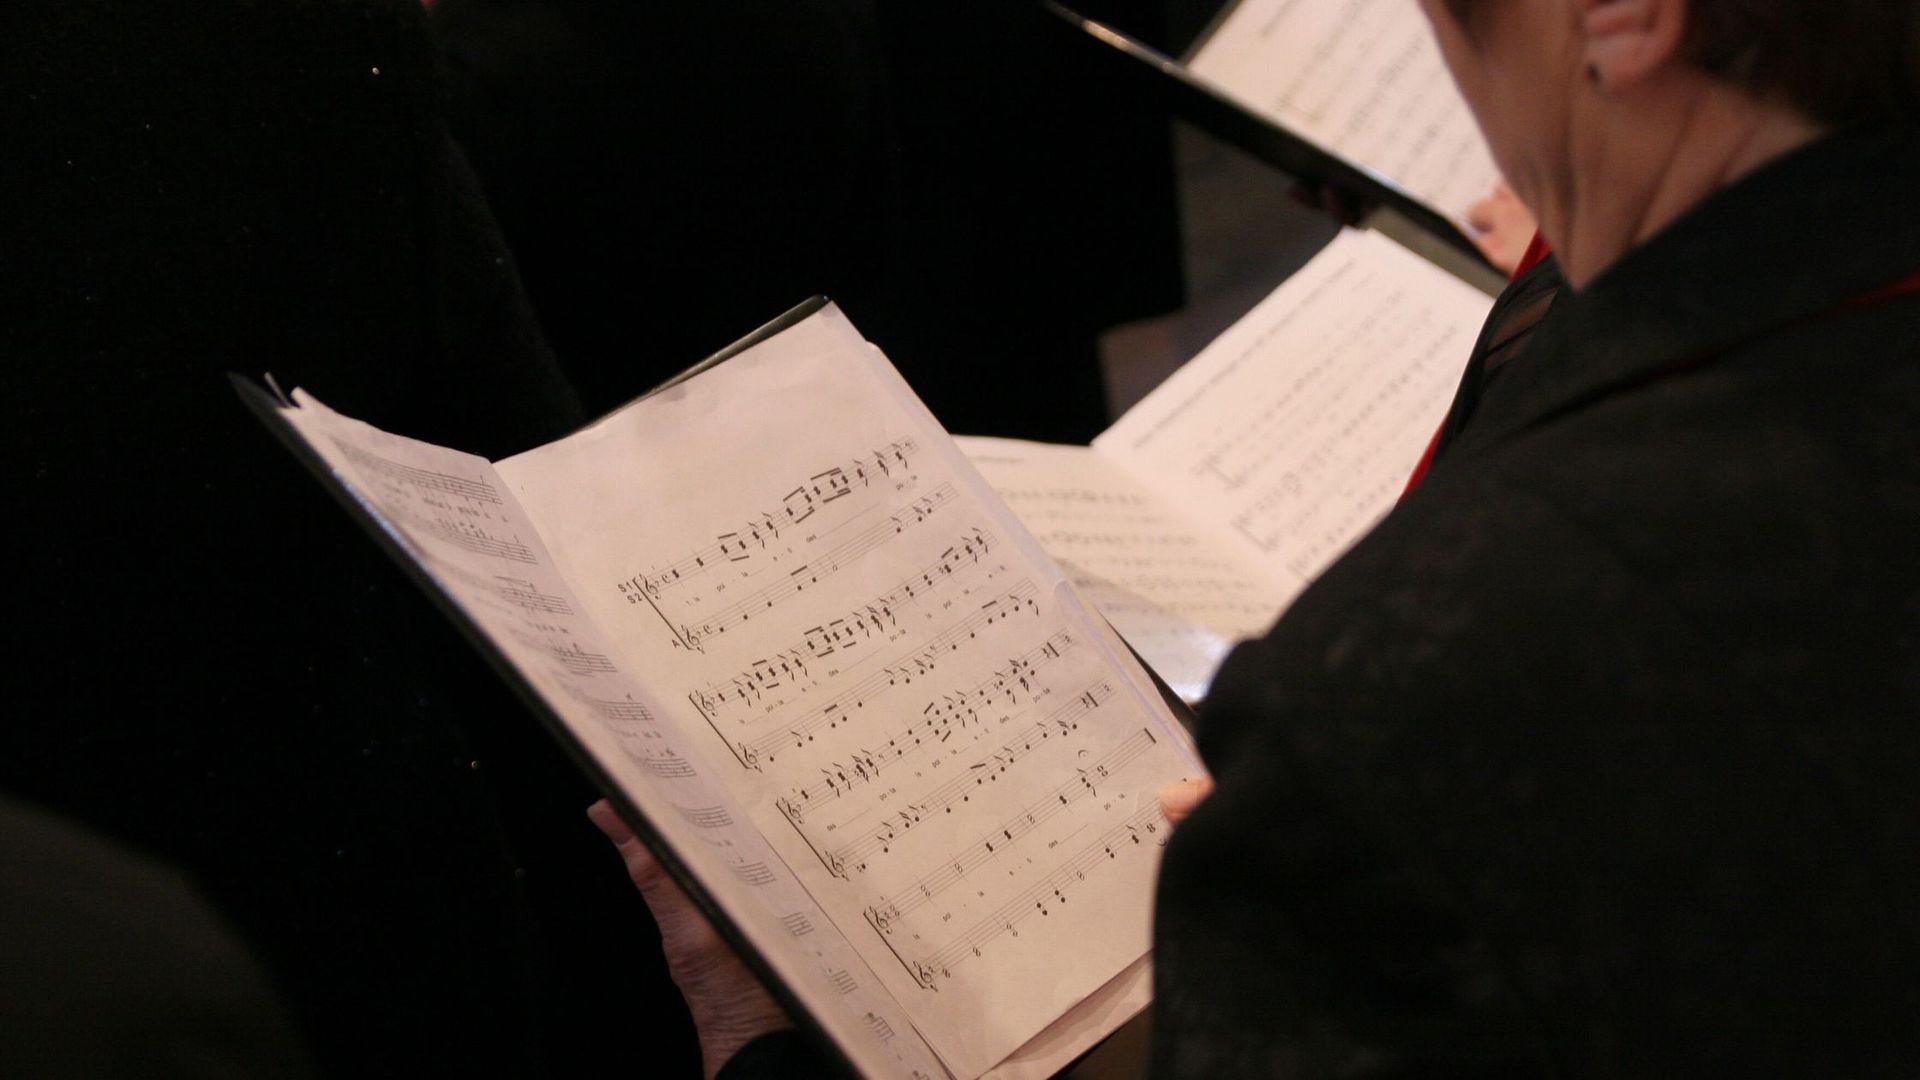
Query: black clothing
point(205, 657)
point(112, 966)
point(669, 176)
point(1597, 757)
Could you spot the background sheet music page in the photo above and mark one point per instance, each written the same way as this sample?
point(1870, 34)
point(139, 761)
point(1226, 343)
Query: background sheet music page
point(1167, 583)
point(1297, 429)
point(945, 748)
point(1365, 80)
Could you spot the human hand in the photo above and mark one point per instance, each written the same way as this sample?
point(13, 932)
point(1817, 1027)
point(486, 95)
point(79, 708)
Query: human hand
point(730, 1008)
point(1501, 226)
point(1337, 203)
point(1183, 797)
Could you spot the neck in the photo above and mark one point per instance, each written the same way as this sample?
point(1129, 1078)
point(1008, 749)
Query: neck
point(1660, 163)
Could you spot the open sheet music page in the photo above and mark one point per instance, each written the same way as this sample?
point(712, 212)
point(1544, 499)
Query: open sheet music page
point(1365, 80)
point(1177, 594)
point(456, 520)
point(896, 685)
point(1297, 429)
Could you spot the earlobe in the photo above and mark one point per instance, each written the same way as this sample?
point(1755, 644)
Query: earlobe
point(1629, 41)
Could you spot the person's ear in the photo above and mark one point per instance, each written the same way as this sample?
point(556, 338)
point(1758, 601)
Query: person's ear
point(1629, 41)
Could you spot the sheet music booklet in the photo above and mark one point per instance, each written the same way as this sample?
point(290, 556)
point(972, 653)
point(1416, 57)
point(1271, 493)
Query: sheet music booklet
point(1352, 93)
point(847, 698)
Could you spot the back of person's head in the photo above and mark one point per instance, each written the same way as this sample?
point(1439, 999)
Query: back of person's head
point(1839, 62)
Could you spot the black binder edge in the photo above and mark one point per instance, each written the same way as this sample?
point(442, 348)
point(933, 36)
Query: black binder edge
point(1206, 33)
point(266, 407)
point(1234, 123)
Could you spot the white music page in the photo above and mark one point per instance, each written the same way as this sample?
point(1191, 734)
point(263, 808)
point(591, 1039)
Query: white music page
point(948, 751)
point(1364, 79)
point(1297, 429)
point(1169, 586)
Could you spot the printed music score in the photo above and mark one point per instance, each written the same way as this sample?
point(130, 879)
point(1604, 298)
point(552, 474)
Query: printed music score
point(837, 777)
point(878, 839)
point(1298, 466)
point(878, 618)
point(457, 510)
point(918, 643)
point(818, 685)
point(795, 507)
point(440, 503)
point(1363, 79)
point(693, 634)
point(1144, 828)
point(916, 663)
point(1195, 519)
point(1177, 595)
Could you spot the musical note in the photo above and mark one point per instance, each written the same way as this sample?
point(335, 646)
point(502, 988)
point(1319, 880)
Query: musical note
point(753, 872)
point(836, 780)
point(903, 671)
point(1142, 828)
point(1002, 836)
point(525, 594)
point(692, 632)
point(416, 479)
point(621, 712)
point(877, 618)
point(879, 838)
point(709, 817)
point(574, 658)
point(795, 507)
point(668, 766)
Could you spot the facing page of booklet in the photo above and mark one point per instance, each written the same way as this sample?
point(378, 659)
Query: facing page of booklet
point(832, 682)
point(1196, 518)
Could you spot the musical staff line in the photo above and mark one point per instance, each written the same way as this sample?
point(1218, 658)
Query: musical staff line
point(525, 594)
point(418, 478)
point(706, 817)
point(880, 838)
point(573, 658)
point(932, 729)
point(865, 765)
point(917, 663)
point(1141, 827)
point(819, 569)
point(837, 778)
point(617, 712)
point(876, 617)
point(667, 765)
point(796, 506)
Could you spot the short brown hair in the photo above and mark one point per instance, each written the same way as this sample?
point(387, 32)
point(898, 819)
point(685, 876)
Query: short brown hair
point(1842, 62)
